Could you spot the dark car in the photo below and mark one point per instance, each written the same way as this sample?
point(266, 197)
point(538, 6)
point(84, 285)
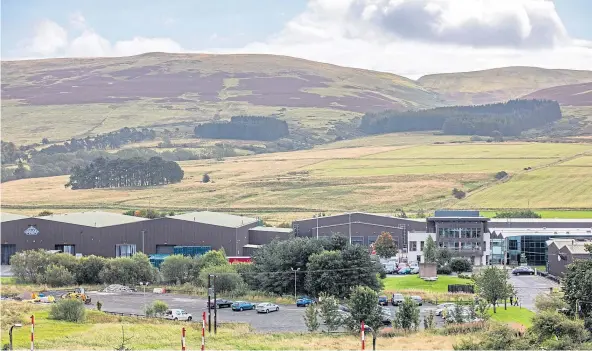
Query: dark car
point(220, 303)
point(523, 270)
point(383, 301)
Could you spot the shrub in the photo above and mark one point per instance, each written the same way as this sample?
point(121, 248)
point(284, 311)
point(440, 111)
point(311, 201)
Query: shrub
point(227, 281)
point(128, 271)
point(89, 269)
point(99, 305)
point(444, 270)
point(544, 302)
point(464, 328)
point(459, 194)
point(248, 273)
point(205, 178)
point(311, 318)
point(157, 308)
point(460, 265)
point(58, 276)
point(44, 213)
point(68, 310)
point(175, 269)
point(501, 175)
point(29, 266)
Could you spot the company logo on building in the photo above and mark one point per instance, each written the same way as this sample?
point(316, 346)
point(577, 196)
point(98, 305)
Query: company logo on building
point(31, 231)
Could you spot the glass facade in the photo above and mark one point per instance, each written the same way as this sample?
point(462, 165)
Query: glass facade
point(459, 233)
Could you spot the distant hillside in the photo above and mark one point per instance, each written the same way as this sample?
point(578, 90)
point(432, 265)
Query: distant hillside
point(499, 84)
point(571, 95)
point(95, 95)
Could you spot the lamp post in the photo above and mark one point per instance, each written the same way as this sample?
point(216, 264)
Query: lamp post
point(144, 284)
point(295, 270)
point(17, 325)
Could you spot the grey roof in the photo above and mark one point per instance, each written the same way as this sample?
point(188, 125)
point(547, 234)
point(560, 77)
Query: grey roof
point(506, 232)
point(7, 217)
point(577, 247)
point(93, 218)
point(273, 229)
point(216, 218)
point(420, 220)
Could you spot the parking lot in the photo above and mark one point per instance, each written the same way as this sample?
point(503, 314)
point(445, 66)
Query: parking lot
point(529, 286)
point(288, 319)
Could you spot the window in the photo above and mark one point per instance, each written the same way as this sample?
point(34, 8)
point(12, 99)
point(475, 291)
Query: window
point(421, 243)
point(357, 240)
point(413, 245)
point(372, 240)
point(125, 250)
point(513, 245)
point(68, 249)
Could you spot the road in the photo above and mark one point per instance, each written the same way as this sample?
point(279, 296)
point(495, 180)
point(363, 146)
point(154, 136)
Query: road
point(529, 286)
point(288, 319)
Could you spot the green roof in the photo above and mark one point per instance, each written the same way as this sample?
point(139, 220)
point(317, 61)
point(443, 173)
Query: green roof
point(93, 218)
point(6, 217)
point(216, 218)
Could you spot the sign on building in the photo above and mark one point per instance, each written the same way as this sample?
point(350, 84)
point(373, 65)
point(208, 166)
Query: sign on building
point(31, 231)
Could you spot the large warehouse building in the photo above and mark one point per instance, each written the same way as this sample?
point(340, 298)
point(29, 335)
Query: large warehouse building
point(116, 235)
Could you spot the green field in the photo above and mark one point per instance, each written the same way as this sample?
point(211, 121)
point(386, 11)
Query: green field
point(550, 214)
point(513, 314)
point(414, 282)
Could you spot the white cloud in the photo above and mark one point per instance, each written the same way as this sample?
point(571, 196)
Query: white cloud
point(51, 40)
point(416, 37)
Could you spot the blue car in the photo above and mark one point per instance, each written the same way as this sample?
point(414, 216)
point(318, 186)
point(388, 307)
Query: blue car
point(405, 270)
point(304, 301)
point(242, 305)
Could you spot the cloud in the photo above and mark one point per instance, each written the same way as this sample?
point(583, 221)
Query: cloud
point(51, 40)
point(417, 37)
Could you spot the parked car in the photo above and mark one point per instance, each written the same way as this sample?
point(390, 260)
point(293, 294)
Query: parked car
point(414, 270)
point(387, 316)
point(242, 305)
point(404, 270)
point(443, 306)
point(390, 267)
point(304, 301)
point(267, 307)
point(523, 270)
point(176, 314)
point(220, 303)
point(383, 301)
point(449, 312)
point(417, 300)
point(397, 299)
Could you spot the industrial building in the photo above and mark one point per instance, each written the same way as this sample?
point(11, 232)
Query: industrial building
point(360, 228)
point(116, 235)
point(563, 252)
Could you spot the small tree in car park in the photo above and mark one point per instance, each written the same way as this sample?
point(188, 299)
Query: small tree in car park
point(385, 245)
point(428, 320)
point(492, 285)
point(311, 319)
point(407, 316)
point(363, 306)
point(430, 251)
point(481, 309)
point(329, 310)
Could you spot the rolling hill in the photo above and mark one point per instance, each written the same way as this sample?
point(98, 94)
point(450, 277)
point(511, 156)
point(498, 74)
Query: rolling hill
point(570, 95)
point(499, 84)
point(79, 97)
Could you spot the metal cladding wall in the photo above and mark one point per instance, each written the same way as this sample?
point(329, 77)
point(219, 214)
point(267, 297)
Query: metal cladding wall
point(146, 235)
point(87, 240)
point(364, 225)
point(262, 237)
point(508, 223)
point(559, 259)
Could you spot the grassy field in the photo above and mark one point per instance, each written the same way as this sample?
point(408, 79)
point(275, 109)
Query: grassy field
point(512, 315)
point(414, 282)
point(550, 214)
point(411, 173)
point(103, 332)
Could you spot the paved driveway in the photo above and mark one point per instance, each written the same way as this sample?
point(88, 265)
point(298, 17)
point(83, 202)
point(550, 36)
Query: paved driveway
point(288, 319)
point(529, 286)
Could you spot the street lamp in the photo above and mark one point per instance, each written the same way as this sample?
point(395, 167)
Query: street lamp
point(295, 270)
point(17, 325)
point(144, 284)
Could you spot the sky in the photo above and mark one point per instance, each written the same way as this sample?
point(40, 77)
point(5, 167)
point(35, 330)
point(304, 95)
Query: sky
point(407, 37)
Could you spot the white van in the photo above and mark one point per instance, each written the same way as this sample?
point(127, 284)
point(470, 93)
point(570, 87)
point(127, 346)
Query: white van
point(177, 315)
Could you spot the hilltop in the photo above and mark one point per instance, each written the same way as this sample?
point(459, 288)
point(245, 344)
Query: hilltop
point(94, 95)
point(499, 84)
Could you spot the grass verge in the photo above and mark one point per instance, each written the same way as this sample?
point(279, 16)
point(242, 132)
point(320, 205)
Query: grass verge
point(513, 314)
point(414, 282)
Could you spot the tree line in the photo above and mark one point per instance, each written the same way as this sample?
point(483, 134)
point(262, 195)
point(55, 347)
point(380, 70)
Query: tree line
point(509, 118)
point(244, 128)
point(132, 172)
point(112, 140)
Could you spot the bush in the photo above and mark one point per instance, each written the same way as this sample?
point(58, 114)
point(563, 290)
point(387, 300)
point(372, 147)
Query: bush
point(29, 266)
point(460, 265)
point(99, 306)
point(544, 302)
point(205, 178)
point(89, 269)
point(311, 319)
point(68, 310)
point(58, 276)
point(175, 269)
point(157, 308)
point(128, 271)
point(228, 280)
point(444, 270)
point(248, 273)
point(459, 194)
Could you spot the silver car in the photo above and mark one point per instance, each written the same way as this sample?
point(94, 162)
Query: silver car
point(443, 306)
point(417, 300)
point(267, 307)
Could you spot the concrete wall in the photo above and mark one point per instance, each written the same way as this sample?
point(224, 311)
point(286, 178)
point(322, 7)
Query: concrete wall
point(418, 238)
point(428, 270)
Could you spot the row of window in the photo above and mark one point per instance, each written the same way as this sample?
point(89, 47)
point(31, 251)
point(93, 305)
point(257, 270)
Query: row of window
point(459, 233)
point(413, 245)
point(121, 250)
point(455, 245)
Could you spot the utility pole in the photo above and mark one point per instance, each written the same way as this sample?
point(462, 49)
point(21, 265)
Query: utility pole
point(294, 270)
point(209, 304)
point(349, 216)
point(317, 227)
point(215, 308)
